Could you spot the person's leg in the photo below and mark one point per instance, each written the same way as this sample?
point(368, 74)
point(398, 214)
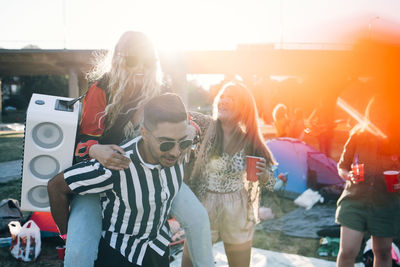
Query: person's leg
point(238, 254)
point(109, 256)
point(84, 231)
point(186, 261)
point(236, 229)
point(193, 217)
point(153, 259)
point(350, 244)
point(382, 248)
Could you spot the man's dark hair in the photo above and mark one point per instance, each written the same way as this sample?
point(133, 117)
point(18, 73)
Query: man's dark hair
point(164, 108)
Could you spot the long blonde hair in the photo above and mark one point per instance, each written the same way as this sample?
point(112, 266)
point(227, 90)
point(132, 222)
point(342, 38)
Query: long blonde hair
point(134, 55)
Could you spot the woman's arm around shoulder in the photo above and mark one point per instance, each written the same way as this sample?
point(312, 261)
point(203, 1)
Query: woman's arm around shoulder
point(200, 121)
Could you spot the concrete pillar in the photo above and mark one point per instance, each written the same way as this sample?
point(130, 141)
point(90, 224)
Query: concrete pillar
point(83, 84)
point(1, 100)
point(73, 83)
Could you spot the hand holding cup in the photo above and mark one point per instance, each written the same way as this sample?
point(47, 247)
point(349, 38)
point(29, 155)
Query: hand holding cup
point(356, 175)
point(261, 165)
point(352, 178)
point(256, 168)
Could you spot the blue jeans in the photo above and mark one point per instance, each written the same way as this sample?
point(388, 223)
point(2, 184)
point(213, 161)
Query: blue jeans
point(193, 217)
point(84, 229)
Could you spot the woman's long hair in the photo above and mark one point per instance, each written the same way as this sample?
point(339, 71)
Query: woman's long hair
point(133, 74)
point(247, 134)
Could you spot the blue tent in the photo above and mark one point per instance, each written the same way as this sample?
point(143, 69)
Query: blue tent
point(305, 166)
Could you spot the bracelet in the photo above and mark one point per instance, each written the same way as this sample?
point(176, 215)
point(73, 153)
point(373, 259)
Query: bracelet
point(63, 237)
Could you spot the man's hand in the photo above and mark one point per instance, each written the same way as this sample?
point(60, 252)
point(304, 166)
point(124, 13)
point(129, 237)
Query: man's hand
point(110, 156)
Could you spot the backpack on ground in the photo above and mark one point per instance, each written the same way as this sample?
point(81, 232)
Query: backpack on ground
point(9, 211)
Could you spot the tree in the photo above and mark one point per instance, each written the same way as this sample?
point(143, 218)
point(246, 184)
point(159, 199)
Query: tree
point(198, 98)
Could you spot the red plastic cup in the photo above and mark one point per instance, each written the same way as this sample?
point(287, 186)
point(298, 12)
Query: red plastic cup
point(251, 168)
point(60, 252)
point(391, 178)
point(358, 172)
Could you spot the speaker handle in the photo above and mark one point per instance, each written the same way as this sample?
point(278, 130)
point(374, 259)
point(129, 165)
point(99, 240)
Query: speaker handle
point(73, 101)
point(64, 105)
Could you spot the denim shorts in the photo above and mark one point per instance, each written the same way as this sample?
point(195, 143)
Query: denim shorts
point(362, 217)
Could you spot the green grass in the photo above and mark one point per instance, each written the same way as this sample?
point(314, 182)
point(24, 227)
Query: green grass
point(10, 189)
point(13, 116)
point(279, 242)
point(11, 145)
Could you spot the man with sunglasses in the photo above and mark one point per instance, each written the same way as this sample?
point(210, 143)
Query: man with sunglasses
point(137, 199)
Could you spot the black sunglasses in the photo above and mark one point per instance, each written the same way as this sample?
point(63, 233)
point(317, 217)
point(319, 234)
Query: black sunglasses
point(168, 145)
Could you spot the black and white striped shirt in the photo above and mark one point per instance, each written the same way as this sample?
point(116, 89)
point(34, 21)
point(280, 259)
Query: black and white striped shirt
point(138, 200)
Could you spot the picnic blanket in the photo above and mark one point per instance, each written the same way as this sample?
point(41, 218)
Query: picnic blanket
point(301, 222)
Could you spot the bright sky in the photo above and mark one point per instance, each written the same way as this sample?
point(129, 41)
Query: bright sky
point(188, 24)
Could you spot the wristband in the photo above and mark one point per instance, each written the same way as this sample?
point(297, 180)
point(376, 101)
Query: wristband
point(63, 237)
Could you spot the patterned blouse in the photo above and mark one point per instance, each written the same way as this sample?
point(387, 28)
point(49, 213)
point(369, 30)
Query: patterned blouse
point(225, 173)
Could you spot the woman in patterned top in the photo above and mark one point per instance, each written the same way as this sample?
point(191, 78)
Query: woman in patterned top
point(219, 170)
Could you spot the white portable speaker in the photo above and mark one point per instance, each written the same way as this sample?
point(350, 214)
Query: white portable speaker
point(50, 132)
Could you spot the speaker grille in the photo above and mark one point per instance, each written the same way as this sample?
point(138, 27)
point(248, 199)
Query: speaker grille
point(47, 135)
point(38, 196)
point(44, 167)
